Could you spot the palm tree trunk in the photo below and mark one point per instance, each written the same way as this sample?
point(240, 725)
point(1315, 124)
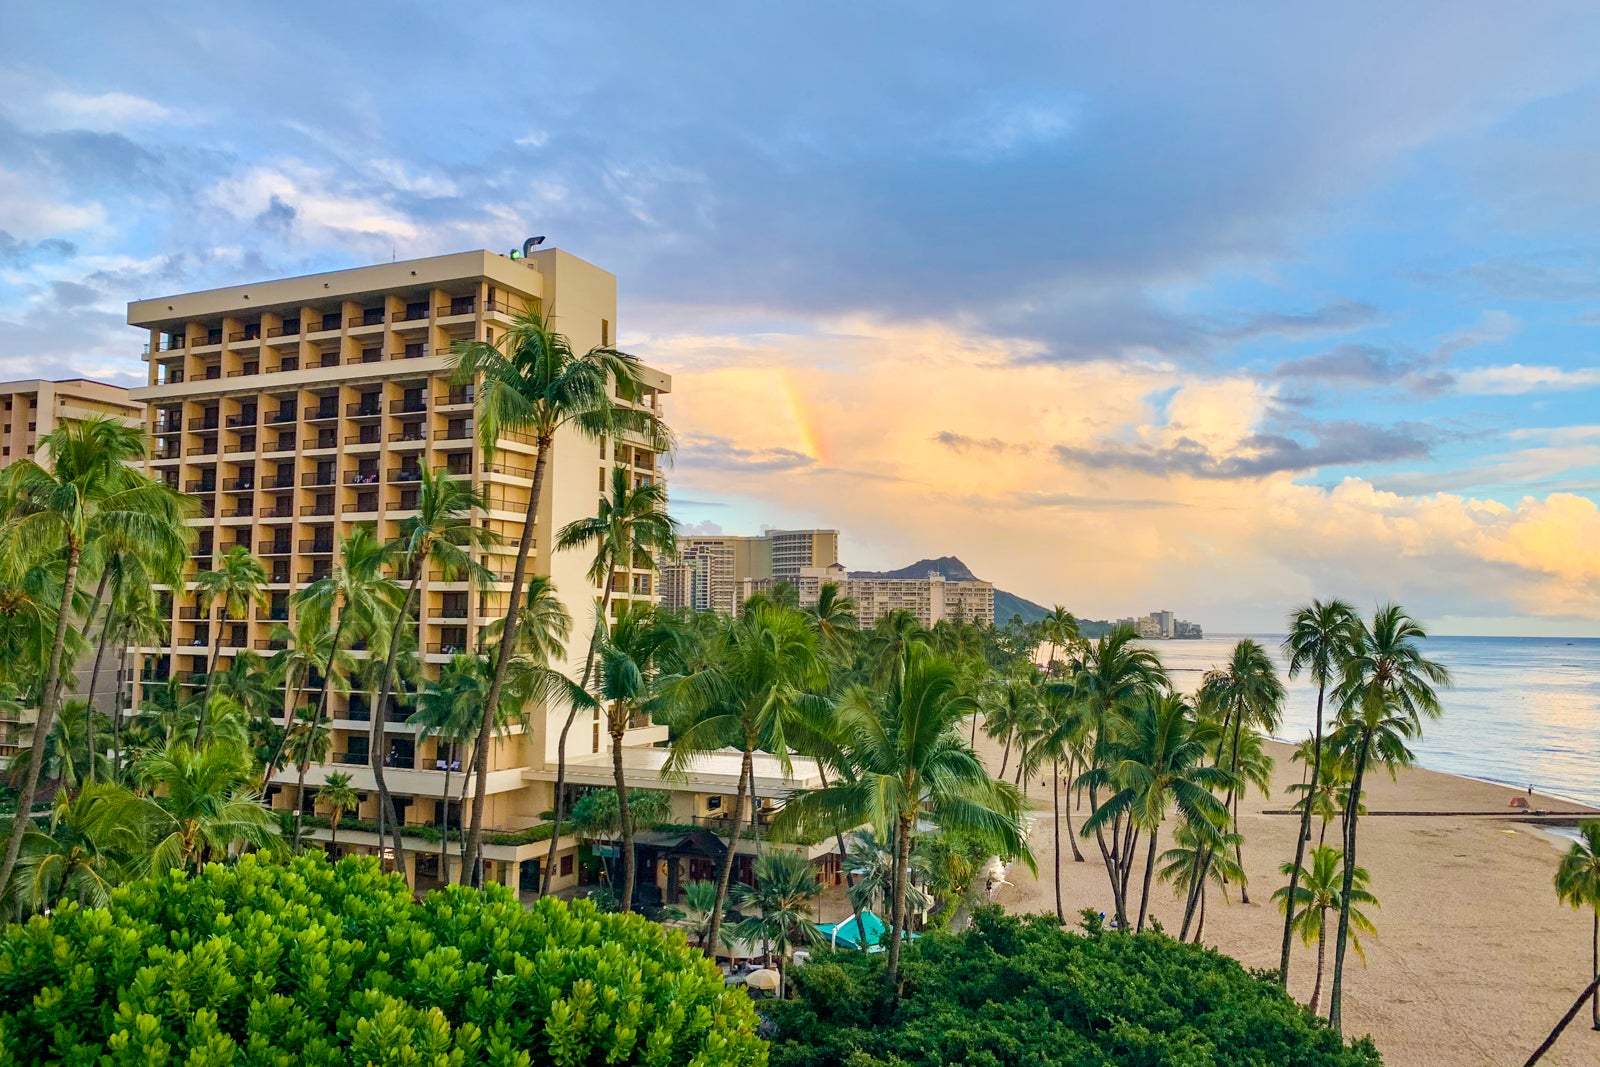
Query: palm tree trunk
point(1072, 834)
point(1322, 952)
point(566, 727)
point(289, 697)
point(387, 812)
point(1233, 802)
point(746, 774)
point(47, 711)
point(1149, 869)
point(1596, 961)
point(1300, 842)
point(1592, 990)
point(1055, 802)
point(466, 780)
point(1336, 995)
point(1199, 931)
point(215, 626)
point(508, 640)
point(897, 912)
point(94, 683)
point(116, 718)
point(1005, 758)
point(316, 723)
point(1238, 855)
point(624, 816)
point(444, 826)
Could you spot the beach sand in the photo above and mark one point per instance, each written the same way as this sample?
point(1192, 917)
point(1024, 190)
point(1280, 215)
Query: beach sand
point(1474, 960)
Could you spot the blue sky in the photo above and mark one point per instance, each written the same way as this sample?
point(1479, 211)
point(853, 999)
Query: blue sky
point(1211, 308)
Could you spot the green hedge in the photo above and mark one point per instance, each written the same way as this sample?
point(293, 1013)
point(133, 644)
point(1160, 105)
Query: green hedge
point(1024, 991)
point(301, 962)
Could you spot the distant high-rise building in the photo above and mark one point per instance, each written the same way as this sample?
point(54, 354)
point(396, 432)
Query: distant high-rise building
point(1163, 620)
point(930, 599)
point(735, 566)
point(1148, 626)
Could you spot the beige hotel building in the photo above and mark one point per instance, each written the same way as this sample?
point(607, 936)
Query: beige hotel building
point(294, 410)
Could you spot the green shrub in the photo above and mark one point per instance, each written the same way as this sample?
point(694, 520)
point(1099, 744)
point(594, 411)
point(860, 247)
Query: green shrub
point(1023, 991)
point(284, 963)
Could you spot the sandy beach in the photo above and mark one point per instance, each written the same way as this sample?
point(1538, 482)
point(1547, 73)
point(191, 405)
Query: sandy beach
point(1474, 959)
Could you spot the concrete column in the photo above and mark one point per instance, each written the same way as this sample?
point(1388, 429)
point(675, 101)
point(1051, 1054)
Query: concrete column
point(509, 870)
point(411, 866)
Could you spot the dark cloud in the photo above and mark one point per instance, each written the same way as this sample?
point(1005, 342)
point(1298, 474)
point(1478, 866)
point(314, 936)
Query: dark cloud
point(1259, 455)
point(957, 442)
point(705, 453)
point(1353, 364)
point(18, 253)
point(279, 216)
point(1076, 502)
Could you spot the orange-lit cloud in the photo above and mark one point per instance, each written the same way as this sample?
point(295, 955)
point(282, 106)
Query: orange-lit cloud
point(1113, 487)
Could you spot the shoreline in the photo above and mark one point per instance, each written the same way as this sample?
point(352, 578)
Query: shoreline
point(1475, 958)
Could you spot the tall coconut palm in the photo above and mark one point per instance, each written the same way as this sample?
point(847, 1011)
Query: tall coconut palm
point(450, 710)
point(84, 490)
point(1060, 628)
point(629, 529)
point(1578, 884)
point(640, 644)
point(357, 600)
point(837, 624)
point(1199, 857)
point(340, 797)
point(442, 534)
point(1060, 738)
point(1010, 712)
point(1321, 636)
point(1156, 760)
point(778, 910)
point(307, 650)
point(1308, 905)
point(762, 671)
point(533, 383)
point(1387, 689)
point(1109, 680)
point(1249, 695)
point(134, 618)
point(205, 802)
point(912, 762)
point(235, 583)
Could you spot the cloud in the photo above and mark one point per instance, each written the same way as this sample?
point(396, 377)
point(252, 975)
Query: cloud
point(106, 112)
point(1350, 364)
point(708, 452)
point(1515, 379)
point(1258, 455)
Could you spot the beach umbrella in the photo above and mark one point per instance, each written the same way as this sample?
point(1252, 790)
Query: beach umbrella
point(764, 978)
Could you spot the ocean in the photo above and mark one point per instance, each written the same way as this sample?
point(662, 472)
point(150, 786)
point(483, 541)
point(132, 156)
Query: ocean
point(1523, 711)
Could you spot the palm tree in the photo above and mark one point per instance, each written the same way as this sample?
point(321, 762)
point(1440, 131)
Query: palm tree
point(359, 600)
point(337, 793)
point(443, 534)
point(1388, 687)
point(629, 529)
point(1321, 636)
point(761, 672)
point(533, 383)
point(87, 491)
point(1578, 884)
point(205, 804)
point(1321, 893)
point(837, 625)
point(630, 661)
point(1061, 728)
point(235, 583)
point(699, 901)
point(911, 761)
point(450, 709)
point(307, 649)
point(1109, 680)
point(1155, 760)
point(872, 862)
point(95, 839)
point(1199, 859)
point(1010, 711)
point(777, 908)
point(1059, 627)
point(133, 619)
point(1249, 694)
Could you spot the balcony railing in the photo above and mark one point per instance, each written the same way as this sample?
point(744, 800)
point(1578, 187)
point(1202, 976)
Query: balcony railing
point(446, 648)
point(203, 423)
point(418, 435)
point(410, 406)
point(274, 548)
point(244, 418)
point(243, 511)
point(200, 487)
point(238, 485)
point(404, 474)
point(277, 481)
point(360, 507)
point(370, 317)
point(288, 329)
point(276, 513)
point(316, 509)
point(364, 409)
point(372, 438)
point(316, 547)
point(284, 415)
point(270, 644)
point(323, 411)
point(459, 396)
point(318, 478)
point(458, 307)
point(410, 315)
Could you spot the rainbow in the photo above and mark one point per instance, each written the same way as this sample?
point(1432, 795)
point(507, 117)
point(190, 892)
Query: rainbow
point(811, 440)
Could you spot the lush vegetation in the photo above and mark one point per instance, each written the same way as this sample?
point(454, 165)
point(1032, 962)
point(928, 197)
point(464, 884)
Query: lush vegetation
point(306, 963)
point(1012, 991)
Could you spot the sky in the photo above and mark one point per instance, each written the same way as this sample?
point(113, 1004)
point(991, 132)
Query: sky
point(1212, 308)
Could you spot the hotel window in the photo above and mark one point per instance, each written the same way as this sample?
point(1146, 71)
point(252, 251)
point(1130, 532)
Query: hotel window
point(605, 333)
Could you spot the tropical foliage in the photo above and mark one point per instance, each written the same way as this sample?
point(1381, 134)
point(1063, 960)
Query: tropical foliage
point(1013, 990)
point(306, 962)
